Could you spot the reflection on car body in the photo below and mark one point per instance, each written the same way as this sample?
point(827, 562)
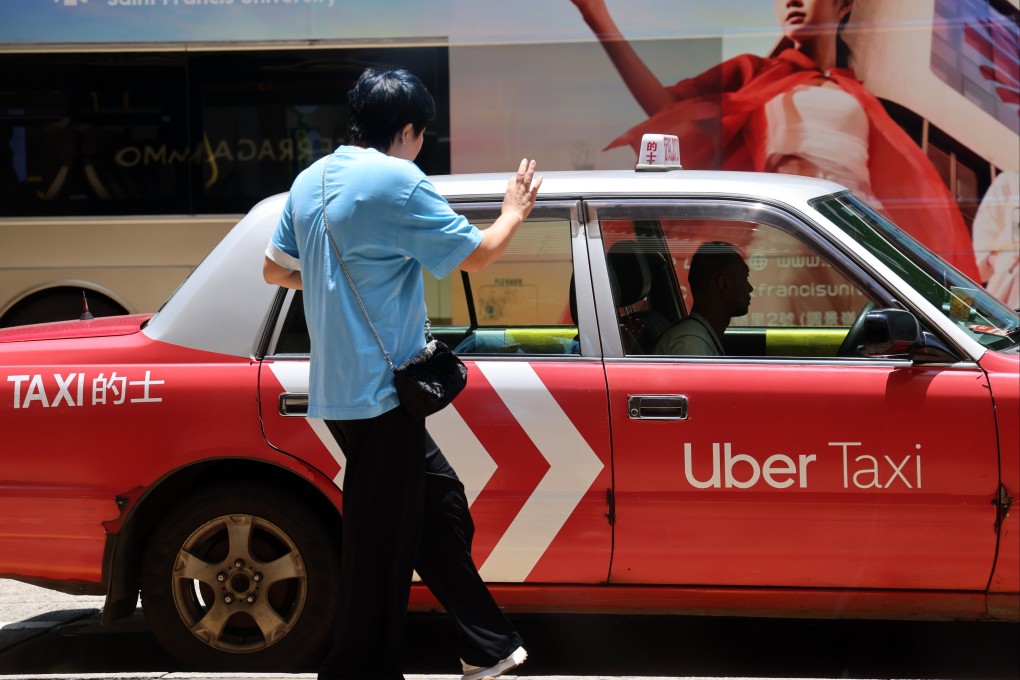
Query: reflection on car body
point(855, 452)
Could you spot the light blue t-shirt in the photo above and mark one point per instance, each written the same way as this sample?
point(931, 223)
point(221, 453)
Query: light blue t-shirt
point(388, 222)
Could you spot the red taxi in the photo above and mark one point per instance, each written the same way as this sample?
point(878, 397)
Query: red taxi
point(855, 453)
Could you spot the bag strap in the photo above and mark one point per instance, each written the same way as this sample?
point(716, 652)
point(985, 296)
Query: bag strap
point(329, 235)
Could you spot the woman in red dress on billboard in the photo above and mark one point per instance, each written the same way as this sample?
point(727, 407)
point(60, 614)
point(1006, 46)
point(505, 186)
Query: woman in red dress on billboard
point(799, 111)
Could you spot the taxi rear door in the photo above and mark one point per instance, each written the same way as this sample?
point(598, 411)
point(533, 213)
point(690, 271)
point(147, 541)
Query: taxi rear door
point(528, 436)
point(808, 469)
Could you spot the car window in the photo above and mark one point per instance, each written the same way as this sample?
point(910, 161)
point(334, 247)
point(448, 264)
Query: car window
point(963, 301)
point(293, 333)
point(522, 303)
point(801, 303)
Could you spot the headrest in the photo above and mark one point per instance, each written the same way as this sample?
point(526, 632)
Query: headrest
point(629, 275)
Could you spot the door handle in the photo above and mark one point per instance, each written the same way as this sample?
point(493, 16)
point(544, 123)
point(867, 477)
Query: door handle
point(293, 404)
point(657, 407)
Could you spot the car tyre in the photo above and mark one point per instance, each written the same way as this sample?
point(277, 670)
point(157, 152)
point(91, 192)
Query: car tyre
point(242, 577)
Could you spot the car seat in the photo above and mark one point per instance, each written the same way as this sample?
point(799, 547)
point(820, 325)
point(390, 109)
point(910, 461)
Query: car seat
point(630, 276)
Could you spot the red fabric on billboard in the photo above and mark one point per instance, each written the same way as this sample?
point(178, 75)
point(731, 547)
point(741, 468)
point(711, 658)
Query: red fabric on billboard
point(720, 119)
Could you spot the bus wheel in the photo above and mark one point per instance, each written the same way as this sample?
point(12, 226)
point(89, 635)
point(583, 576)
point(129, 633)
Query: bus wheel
point(62, 303)
point(241, 577)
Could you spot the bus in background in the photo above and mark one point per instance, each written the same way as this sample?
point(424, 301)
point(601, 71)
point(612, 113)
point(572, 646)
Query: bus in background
point(134, 135)
point(123, 169)
point(54, 269)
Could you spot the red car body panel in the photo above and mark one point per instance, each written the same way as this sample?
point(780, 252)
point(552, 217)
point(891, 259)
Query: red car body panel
point(853, 497)
point(55, 513)
point(833, 486)
point(1004, 383)
point(765, 602)
point(57, 517)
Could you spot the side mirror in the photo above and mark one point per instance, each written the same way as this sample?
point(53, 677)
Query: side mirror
point(890, 332)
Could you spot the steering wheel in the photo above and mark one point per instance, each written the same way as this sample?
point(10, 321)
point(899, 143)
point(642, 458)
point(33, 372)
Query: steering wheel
point(850, 347)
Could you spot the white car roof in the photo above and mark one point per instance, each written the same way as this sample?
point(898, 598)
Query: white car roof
point(221, 307)
point(791, 189)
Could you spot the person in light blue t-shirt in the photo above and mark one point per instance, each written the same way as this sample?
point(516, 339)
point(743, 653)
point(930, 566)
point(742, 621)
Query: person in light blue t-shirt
point(403, 507)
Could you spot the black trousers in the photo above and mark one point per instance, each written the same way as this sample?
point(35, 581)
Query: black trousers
point(404, 509)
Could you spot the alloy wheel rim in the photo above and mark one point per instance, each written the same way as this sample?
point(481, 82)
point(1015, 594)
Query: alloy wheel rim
point(239, 583)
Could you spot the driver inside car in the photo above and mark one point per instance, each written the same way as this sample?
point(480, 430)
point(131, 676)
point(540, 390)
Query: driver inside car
point(719, 282)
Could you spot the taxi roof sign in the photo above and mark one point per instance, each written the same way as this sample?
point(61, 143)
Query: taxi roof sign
point(659, 152)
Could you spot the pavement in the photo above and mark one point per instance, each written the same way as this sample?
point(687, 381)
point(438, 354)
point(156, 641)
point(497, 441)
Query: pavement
point(28, 612)
point(51, 636)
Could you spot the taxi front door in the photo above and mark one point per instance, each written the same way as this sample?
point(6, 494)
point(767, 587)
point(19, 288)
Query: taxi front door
point(786, 471)
point(840, 476)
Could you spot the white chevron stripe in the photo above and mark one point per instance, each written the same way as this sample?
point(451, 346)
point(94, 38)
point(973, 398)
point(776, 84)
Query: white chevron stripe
point(461, 447)
point(472, 463)
point(293, 376)
point(573, 468)
point(573, 464)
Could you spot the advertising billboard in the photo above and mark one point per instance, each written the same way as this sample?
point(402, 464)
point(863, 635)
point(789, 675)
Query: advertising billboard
point(913, 104)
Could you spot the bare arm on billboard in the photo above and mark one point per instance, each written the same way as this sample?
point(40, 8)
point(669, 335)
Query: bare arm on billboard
point(639, 79)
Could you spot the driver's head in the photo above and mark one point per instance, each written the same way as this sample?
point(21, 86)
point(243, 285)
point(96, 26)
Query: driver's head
point(719, 278)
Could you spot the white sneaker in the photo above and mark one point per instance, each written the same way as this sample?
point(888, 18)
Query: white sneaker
point(509, 663)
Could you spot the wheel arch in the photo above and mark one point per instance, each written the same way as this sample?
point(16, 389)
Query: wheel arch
point(100, 297)
point(124, 550)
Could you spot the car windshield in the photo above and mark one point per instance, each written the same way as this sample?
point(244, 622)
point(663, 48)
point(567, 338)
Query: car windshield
point(965, 302)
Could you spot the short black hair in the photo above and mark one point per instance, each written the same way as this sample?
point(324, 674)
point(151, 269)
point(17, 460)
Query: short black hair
point(709, 260)
point(382, 102)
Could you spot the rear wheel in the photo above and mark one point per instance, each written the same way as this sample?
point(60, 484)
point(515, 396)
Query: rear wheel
point(241, 577)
